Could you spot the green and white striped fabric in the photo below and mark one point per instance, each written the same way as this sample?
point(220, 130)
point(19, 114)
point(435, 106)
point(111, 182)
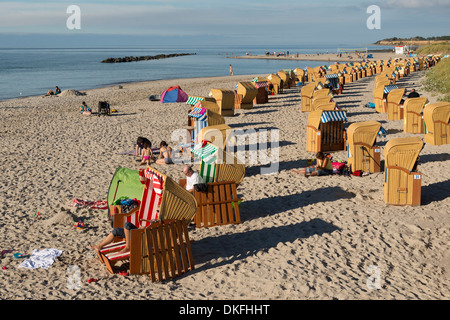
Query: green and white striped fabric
point(207, 172)
point(193, 100)
point(208, 154)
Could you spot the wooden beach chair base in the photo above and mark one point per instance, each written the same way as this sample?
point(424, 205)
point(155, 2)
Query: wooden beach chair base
point(164, 251)
point(219, 205)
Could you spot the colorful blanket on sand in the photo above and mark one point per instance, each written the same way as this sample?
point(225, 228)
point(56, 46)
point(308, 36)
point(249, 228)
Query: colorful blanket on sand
point(103, 205)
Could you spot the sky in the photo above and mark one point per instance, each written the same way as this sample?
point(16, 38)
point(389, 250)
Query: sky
point(229, 22)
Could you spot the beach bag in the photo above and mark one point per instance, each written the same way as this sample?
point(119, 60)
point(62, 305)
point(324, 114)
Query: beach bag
point(338, 167)
point(201, 187)
point(357, 173)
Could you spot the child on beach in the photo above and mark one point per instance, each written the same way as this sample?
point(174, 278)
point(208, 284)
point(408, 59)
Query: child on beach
point(147, 153)
point(85, 108)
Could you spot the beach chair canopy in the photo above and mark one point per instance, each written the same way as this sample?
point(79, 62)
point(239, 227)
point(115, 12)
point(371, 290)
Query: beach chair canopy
point(248, 91)
point(389, 88)
point(415, 105)
point(192, 100)
point(403, 152)
point(124, 183)
point(363, 133)
point(317, 117)
point(175, 202)
point(439, 111)
point(395, 95)
point(215, 167)
point(174, 94)
point(218, 132)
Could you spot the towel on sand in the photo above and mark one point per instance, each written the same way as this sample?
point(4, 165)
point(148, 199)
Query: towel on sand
point(79, 203)
point(41, 259)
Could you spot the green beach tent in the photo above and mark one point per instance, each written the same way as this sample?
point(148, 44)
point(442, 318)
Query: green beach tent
point(124, 183)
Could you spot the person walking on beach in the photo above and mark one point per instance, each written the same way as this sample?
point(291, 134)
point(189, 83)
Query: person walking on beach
point(231, 70)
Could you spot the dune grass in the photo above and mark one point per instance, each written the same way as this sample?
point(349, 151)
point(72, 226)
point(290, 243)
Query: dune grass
point(438, 78)
point(435, 48)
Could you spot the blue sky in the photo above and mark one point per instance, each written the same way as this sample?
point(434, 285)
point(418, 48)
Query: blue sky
point(253, 22)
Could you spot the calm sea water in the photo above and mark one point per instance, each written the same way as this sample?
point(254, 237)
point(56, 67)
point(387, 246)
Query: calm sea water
point(31, 72)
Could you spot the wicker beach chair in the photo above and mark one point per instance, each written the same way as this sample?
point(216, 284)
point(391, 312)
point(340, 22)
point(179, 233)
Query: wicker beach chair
point(246, 93)
point(413, 117)
point(363, 154)
point(437, 123)
point(216, 134)
point(174, 202)
point(218, 205)
point(300, 74)
point(395, 104)
point(285, 77)
point(276, 82)
point(325, 131)
point(225, 100)
point(202, 116)
point(306, 94)
point(379, 99)
point(317, 102)
point(262, 95)
point(402, 183)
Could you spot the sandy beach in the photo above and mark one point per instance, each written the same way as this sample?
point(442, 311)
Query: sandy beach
point(317, 238)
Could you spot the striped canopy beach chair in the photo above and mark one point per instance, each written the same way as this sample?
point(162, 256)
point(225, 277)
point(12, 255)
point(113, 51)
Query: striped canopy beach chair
point(325, 131)
point(218, 205)
point(162, 199)
point(395, 104)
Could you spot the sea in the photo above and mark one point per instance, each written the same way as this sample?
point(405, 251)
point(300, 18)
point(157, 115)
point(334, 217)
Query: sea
point(28, 72)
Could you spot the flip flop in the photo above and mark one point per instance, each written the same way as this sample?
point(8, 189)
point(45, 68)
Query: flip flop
point(20, 255)
point(5, 252)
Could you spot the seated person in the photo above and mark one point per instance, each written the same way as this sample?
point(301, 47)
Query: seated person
point(147, 154)
point(413, 94)
point(118, 232)
point(192, 178)
point(322, 168)
point(165, 154)
point(140, 145)
point(85, 108)
point(57, 90)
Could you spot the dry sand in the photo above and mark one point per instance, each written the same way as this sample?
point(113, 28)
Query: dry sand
point(314, 238)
